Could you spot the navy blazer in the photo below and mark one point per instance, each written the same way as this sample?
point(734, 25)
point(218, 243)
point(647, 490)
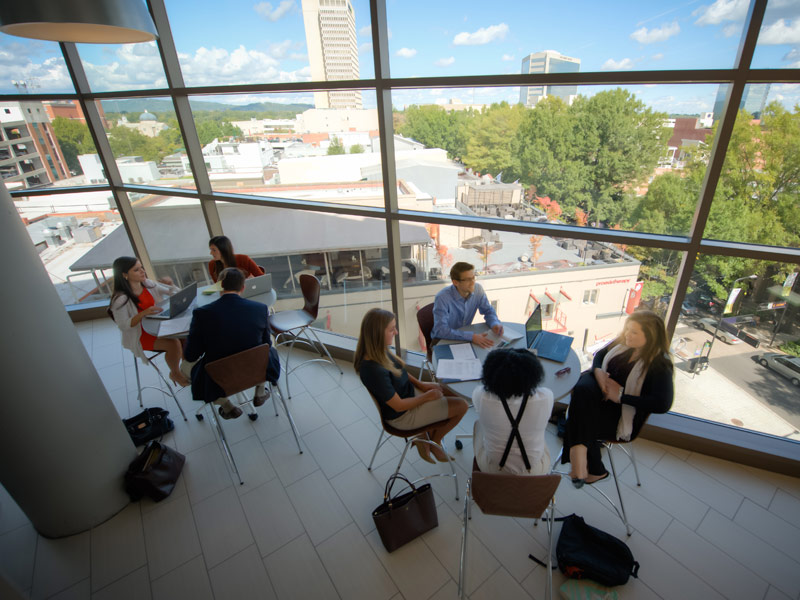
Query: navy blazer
point(228, 325)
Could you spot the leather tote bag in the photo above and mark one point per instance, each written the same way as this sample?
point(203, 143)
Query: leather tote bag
point(404, 517)
point(154, 472)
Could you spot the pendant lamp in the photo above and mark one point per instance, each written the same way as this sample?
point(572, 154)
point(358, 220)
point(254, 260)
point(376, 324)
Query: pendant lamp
point(81, 21)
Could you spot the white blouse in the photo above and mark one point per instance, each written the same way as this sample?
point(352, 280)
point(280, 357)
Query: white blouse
point(124, 310)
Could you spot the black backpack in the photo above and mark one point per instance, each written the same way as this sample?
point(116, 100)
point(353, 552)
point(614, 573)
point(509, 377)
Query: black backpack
point(148, 425)
point(585, 552)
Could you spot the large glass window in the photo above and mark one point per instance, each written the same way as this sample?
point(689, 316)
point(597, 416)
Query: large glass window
point(477, 38)
point(777, 46)
point(32, 67)
point(121, 67)
point(630, 158)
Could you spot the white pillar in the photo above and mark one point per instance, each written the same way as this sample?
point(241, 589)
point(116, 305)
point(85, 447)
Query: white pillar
point(63, 446)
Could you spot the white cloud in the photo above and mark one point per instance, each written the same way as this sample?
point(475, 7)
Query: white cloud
point(780, 32)
point(732, 29)
point(626, 64)
point(722, 10)
point(273, 14)
point(445, 62)
point(658, 56)
point(365, 31)
point(657, 34)
point(406, 52)
point(217, 66)
point(279, 49)
point(508, 57)
point(298, 56)
point(484, 35)
point(365, 48)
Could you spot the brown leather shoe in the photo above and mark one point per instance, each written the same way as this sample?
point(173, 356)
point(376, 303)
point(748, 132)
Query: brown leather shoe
point(234, 413)
point(259, 400)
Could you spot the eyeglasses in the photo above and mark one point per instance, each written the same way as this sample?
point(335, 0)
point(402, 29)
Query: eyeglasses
point(467, 280)
point(562, 372)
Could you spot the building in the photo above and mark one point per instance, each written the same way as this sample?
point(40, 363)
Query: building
point(71, 109)
point(332, 49)
point(687, 132)
point(147, 124)
point(331, 120)
point(29, 152)
point(263, 127)
point(548, 61)
point(132, 169)
point(754, 99)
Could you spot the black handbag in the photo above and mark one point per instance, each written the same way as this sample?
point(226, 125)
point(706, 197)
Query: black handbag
point(406, 516)
point(149, 424)
point(154, 472)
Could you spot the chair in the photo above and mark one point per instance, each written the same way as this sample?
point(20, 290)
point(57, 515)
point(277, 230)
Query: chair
point(150, 358)
point(409, 435)
point(298, 322)
point(425, 322)
point(521, 496)
point(608, 445)
point(237, 373)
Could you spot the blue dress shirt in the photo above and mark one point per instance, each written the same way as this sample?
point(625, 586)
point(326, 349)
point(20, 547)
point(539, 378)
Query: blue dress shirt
point(451, 311)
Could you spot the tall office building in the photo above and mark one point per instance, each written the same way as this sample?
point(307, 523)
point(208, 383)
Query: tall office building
point(332, 49)
point(754, 99)
point(549, 61)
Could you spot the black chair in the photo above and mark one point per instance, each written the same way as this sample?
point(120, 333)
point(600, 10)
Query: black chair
point(425, 322)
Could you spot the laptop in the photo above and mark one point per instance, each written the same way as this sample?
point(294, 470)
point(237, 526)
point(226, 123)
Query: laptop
point(257, 285)
point(177, 303)
point(549, 345)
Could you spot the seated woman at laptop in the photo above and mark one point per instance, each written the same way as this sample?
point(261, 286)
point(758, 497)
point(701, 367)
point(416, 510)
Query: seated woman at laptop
point(511, 377)
point(630, 379)
point(405, 402)
point(134, 298)
point(222, 256)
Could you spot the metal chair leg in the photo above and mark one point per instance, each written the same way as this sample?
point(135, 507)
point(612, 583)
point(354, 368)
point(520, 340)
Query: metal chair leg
point(224, 441)
point(277, 388)
point(620, 512)
point(377, 447)
point(462, 564)
point(138, 381)
point(441, 446)
point(170, 388)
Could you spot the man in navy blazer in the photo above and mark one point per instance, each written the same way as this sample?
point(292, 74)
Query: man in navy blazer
point(229, 325)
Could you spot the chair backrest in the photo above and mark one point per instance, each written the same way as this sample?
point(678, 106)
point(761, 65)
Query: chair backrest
point(403, 433)
point(524, 496)
point(425, 322)
point(240, 371)
point(309, 285)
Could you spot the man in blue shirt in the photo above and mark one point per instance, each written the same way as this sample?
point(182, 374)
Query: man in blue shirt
point(455, 307)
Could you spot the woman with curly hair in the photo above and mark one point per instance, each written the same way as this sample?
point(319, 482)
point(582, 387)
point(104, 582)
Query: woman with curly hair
point(512, 414)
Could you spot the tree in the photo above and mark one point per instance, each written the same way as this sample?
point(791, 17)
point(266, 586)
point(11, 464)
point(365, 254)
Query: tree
point(356, 149)
point(490, 141)
point(336, 146)
point(74, 139)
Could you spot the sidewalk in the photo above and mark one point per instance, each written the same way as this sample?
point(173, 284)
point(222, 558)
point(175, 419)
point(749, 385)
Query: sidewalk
point(710, 395)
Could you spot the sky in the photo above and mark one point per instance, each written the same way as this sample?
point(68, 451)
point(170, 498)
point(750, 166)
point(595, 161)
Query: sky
point(252, 41)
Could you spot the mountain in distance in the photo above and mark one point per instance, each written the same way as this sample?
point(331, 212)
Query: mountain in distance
point(155, 105)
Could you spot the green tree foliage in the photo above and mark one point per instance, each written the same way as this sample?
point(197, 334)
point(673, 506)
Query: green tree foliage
point(74, 139)
point(336, 147)
point(209, 130)
point(436, 128)
point(489, 147)
point(356, 149)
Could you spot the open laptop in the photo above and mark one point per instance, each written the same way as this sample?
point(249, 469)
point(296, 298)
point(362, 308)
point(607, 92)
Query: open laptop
point(257, 285)
point(547, 344)
point(177, 303)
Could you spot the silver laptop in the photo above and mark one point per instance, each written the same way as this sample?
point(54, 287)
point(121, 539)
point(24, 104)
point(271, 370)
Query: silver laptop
point(257, 285)
point(177, 303)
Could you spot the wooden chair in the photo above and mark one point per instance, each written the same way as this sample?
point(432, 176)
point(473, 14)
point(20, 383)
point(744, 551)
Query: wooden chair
point(237, 373)
point(522, 496)
point(410, 437)
point(298, 323)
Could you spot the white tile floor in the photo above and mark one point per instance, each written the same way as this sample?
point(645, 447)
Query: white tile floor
point(300, 526)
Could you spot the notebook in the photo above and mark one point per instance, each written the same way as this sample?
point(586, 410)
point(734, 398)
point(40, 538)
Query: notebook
point(257, 285)
point(546, 344)
point(177, 303)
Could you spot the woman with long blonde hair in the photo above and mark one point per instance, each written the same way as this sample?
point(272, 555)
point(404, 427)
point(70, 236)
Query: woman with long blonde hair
point(630, 379)
point(405, 402)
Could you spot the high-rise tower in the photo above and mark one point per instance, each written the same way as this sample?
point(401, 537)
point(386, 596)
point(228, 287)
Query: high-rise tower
point(332, 49)
point(548, 61)
point(754, 99)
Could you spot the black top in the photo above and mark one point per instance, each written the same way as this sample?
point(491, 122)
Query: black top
point(657, 388)
point(383, 385)
point(620, 367)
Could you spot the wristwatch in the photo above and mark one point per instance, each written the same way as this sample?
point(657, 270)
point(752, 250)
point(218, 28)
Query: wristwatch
point(621, 391)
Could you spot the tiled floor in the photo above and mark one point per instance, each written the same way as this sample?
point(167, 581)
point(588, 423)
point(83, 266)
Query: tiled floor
point(300, 527)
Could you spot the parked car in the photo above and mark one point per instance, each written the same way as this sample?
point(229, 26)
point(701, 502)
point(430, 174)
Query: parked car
point(788, 366)
point(688, 309)
point(709, 325)
point(707, 302)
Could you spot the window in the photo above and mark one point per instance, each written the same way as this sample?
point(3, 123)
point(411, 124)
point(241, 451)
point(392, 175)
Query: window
point(590, 297)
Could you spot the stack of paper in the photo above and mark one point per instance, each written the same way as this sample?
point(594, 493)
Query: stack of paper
point(464, 366)
point(177, 326)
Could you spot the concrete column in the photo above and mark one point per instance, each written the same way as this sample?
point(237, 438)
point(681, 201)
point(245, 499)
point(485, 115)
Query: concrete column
point(63, 446)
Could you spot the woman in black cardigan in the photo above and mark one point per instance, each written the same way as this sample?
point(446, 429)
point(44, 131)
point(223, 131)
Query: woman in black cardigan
point(630, 379)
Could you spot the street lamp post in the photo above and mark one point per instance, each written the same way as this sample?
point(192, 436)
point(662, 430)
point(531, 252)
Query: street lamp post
point(722, 314)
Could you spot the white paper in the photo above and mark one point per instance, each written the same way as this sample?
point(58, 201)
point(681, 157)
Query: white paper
point(176, 326)
point(462, 351)
point(509, 335)
point(461, 370)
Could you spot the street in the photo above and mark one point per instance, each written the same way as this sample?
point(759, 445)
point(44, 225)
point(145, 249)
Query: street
point(737, 362)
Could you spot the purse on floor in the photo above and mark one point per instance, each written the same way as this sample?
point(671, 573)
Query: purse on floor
point(149, 424)
point(154, 472)
point(406, 516)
